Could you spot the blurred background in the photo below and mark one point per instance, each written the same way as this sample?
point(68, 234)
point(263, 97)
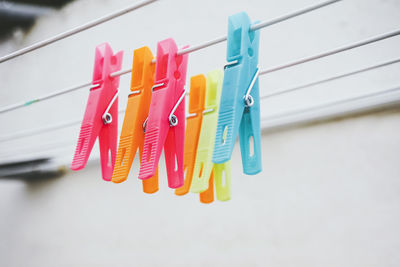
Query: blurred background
point(329, 192)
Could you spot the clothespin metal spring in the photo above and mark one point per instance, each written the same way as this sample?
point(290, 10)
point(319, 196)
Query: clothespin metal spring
point(107, 118)
point(248, 99)
point(173, 120)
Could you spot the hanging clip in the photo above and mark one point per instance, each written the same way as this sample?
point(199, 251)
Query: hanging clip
point(166, 121)
point(204, 170)
point(101, 114)
point(193, 124)
point(240, 101)
point(137, 110)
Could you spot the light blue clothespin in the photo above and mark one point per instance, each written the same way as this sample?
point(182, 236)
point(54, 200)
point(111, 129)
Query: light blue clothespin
point(240, 100)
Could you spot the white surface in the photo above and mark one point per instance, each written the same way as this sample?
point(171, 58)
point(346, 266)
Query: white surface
point(328, 195)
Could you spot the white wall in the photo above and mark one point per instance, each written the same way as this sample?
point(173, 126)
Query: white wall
point(328, 195)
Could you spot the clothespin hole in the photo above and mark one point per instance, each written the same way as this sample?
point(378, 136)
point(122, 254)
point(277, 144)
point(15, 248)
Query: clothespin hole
point(81, 145)
point(177, 75)
point(109, 158)
point(224, 135)
point(251, 146)
point(223, 180)
point(201, 170)
point(176, 163)
point(149, 151)
point(123, 156)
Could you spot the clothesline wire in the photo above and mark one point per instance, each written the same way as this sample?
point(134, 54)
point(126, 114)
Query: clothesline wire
point(339, 102)
point(25, 133)
point(260, 25)
point(334, 51)
point(75, 30)
point(180, 52)
point(336, 77)
point(262, 72)
point(358, 103)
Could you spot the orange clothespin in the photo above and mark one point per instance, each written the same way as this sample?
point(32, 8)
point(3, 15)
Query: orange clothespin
point(137, 109)
point(192, 133)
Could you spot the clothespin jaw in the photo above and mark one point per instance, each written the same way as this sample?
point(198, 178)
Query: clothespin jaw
point(193, 125)
point(240, 102)
point(221, 176)
point(101, 114)
point(203, 165)
point(137, 109)
point(166, 120)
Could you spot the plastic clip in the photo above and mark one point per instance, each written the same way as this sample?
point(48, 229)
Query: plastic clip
point(137, 110)
point(205, 172)
point(101, 114)
point(240, 101)
point(166, 120)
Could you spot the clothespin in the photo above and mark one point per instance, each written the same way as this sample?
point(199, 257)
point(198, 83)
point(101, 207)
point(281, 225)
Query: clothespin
point(240, 101)
point(193, 125)
point(137, 110)
point(204, 170)
point(166, 120)
point(101, 114)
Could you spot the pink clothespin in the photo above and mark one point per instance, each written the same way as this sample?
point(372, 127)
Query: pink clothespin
point(166, 120)
point(101, 114)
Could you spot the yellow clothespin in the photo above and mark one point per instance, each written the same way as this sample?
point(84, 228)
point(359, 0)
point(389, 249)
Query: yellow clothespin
point(204, 170)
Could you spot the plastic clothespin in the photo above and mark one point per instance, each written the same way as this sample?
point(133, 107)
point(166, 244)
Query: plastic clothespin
point(137, 110)
point(166, 120)
point(101, 114)
point(193, 125)
point(205, 172)
point(240, 101)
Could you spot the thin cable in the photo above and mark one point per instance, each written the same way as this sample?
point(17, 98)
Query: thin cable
point(383, 98)
point(76, 30)
point(25, 133)
point(292, 89)
point(389, 100)
point(259, 26)
point(334, 51)
point(45, 97)
point(262, 72)
point(40, 130)
point(180, 52)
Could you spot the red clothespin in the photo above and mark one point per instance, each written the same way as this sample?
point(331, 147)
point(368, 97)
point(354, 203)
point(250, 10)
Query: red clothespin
point(166, 121)
point(101, 114)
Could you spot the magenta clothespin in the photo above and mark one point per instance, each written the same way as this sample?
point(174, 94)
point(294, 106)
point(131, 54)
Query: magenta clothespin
point(101, 114)
point(166, 121)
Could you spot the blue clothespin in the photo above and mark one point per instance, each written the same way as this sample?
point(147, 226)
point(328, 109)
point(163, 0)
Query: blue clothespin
point(240, 100)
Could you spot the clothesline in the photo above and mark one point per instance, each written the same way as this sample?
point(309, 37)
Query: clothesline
point(352, 105)
point(262, 72)
point(75, 30)
point(339, 76)
point(25, 133)
point(180, 52)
